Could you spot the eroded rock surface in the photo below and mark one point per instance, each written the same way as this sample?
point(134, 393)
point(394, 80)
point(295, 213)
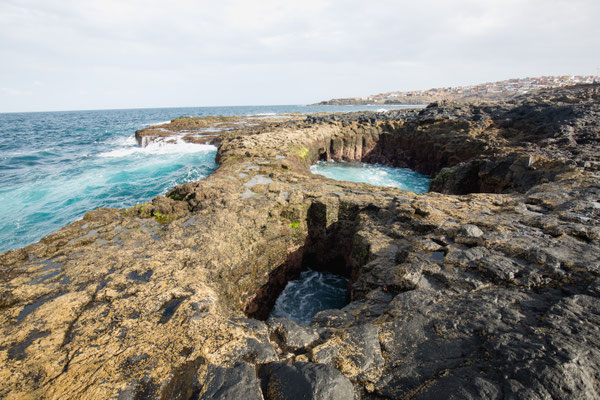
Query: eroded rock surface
point(487, 290)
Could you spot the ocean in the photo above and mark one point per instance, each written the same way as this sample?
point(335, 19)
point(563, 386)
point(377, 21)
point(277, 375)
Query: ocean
point(312, 292)
point(56, 166)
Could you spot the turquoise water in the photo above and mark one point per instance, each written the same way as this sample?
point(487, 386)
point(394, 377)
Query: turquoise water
point(375, 174)
point(56, 166)
point(314, 291)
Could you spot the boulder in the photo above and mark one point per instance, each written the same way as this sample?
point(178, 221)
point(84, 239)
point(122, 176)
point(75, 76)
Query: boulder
point(301, 380)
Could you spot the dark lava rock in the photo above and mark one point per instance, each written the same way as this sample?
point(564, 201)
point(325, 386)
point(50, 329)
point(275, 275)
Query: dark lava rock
point(238, 382)
point(494, 344)
point(291, 336)
point(302, 380)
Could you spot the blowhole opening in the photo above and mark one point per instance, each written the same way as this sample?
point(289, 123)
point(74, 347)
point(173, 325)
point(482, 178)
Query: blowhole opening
point(299, 290)
point(322, 154)
point(317, 276)
point(456, 167)
point(312, 292)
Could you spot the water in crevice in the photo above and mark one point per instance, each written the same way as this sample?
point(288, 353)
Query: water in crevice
point(312, 292)
point(374, 174)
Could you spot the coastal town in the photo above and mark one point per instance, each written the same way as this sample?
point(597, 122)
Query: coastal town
point(490, 90)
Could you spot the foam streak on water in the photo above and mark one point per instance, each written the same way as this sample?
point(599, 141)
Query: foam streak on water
point(314, 291)
point(158, 148)
point(375, 174)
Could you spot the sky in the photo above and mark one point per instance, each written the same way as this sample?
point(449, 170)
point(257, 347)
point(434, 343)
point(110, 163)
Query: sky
point(104, 54)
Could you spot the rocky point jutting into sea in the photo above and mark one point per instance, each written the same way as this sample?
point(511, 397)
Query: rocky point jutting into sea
point(488, 286)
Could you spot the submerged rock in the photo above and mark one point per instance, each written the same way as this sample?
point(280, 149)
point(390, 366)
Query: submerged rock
point(485, 287)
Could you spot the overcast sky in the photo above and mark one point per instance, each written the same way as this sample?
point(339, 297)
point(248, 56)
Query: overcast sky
point(84, 54)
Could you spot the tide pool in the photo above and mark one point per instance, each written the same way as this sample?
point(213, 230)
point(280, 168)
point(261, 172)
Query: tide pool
point(374, 174)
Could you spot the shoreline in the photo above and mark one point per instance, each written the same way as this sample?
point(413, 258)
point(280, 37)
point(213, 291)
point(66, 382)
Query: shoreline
point(170, 297)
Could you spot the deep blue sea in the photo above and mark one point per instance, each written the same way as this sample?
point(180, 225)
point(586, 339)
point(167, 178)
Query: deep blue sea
point(56, 166)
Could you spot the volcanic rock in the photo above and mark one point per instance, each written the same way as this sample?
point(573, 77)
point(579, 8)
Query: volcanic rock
point(485, 287)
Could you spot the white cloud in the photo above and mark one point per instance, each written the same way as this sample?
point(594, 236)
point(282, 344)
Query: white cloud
point(192, 52)
point(10, 91)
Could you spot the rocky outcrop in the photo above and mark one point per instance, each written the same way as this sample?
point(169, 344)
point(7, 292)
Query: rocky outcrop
point(210, 129)
point(490, 289)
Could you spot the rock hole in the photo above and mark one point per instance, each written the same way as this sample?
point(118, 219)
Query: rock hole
point(374, 174)
point(299, 290)
point(322, 154)
point(318, 275)
point(312, 292)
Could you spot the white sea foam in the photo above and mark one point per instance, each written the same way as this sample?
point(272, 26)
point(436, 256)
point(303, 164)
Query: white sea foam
point(123, 141)
point(312, 292)
point(267, 116)
point(159, 148)
point(157, 123)
point(382, 110)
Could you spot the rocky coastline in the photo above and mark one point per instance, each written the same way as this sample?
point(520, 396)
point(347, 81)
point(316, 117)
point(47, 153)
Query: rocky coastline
point(488, 286)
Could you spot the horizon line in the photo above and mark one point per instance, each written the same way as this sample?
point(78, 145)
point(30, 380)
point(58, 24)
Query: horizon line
point(150, 108)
